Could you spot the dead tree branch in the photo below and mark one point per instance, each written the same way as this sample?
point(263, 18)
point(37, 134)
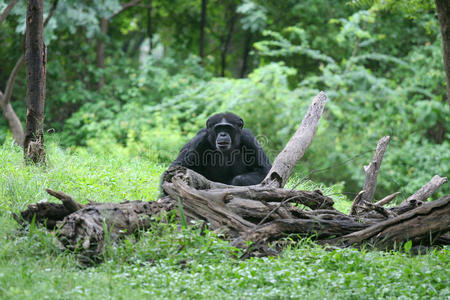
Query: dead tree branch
point(428, 189)
point(372, 169)
point(296, 147)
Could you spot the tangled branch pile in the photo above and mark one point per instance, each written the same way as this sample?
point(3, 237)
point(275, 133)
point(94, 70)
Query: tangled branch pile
point(261, 213)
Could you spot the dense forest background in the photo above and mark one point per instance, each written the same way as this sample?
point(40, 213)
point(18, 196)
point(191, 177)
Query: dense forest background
point(143, 76)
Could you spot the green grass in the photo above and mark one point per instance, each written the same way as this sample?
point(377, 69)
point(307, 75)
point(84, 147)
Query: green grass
point(170, 263)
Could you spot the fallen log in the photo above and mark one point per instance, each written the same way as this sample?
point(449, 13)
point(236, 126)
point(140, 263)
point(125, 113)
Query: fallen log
point(422, 225)
point(259, 214)
point(87, 229)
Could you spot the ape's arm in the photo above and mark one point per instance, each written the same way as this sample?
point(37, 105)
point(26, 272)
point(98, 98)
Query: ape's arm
point(255, 159)
point(190, 155)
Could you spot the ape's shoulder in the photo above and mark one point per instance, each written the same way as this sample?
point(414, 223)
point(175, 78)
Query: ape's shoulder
point(202, 132)
point(247, 132)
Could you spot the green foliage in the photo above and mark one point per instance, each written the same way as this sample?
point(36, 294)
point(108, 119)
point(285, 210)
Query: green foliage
point(411, 7)
point(254, 16)
point(366, 104)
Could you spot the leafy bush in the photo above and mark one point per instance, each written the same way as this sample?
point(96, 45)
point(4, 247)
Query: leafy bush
point(366, 104)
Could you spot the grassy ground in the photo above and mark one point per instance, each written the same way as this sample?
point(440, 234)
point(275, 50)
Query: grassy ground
point(170, 263)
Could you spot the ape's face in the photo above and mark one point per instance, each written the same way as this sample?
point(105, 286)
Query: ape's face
point(224, 131)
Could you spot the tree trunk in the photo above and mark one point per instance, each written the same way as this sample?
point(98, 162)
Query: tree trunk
point(100, 54)
point(5, 104)
point(226, 42)
point(149, 24)
point(36, 60)
point(14, 123)
point(443, 10)
point(8, 111)
point(247, 48)
point(202, 30)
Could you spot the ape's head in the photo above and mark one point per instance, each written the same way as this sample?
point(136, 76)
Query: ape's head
point(224, 131)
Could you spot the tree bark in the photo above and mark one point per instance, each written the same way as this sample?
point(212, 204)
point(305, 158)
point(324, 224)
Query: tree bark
point(443, 10)
point(88, 228)
point(202, 30)
point(36, 60)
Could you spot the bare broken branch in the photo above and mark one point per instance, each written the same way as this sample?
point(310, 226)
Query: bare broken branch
point(356, 203)
point(69, 203)
point(428, 189)
point(387, 199)
point(296, 147)
point(372, 169)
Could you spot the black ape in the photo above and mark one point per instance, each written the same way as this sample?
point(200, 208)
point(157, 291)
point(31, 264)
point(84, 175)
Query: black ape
point(225, 152)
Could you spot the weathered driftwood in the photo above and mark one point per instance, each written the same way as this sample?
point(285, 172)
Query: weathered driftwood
point(428, 189)
point(422, 225)
point(372, 169)
point(296, 147)
point(387, 199)
point(261, 213)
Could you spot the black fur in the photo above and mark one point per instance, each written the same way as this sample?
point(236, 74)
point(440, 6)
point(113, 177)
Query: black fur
point(225, 152)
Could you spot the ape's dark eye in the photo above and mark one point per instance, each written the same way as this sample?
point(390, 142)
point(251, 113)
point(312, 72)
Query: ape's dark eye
point(223, 128)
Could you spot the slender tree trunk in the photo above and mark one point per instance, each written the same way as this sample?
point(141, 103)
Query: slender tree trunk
point(149, 23)
point(202, 30)
point(443, 10)
point(8, 111)
point(13, 122)
point(248, 47)
point(100, 56)
point(227, 41)
point(36, 60)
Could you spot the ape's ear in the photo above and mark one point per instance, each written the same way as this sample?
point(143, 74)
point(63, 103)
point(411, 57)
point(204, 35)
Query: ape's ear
point(241, 123)
point(208, 123)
